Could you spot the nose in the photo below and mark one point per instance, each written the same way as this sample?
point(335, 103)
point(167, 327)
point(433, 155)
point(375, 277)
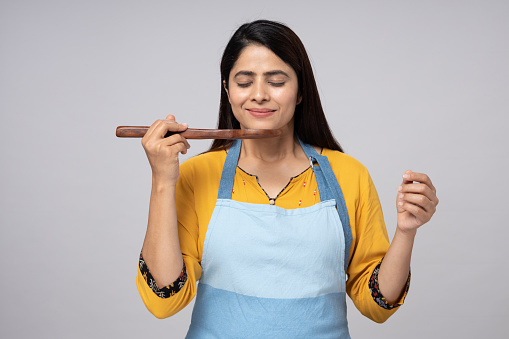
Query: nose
point(259, 92)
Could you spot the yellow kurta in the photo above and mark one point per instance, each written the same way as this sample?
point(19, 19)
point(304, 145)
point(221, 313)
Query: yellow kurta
point(196, 196)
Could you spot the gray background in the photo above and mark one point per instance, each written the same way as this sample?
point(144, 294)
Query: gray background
point(419, 85)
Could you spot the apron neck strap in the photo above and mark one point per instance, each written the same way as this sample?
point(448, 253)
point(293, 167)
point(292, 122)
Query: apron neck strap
point(229, 168)
point(324, 189)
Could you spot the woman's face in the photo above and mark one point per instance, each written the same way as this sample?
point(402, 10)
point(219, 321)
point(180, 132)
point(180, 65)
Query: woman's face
point(263, 90)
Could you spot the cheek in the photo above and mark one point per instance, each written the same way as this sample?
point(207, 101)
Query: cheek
point(286, 98)
point(237, 97)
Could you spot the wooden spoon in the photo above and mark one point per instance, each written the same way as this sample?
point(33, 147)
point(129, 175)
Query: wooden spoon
point(195, 133)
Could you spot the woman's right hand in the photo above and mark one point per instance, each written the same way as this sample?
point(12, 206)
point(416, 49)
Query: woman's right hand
point(163, 153)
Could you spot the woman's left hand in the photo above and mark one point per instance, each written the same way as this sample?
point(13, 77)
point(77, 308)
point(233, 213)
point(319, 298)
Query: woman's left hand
point(416, 202)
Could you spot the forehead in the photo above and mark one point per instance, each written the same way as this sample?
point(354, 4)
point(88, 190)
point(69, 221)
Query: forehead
point(259, 59)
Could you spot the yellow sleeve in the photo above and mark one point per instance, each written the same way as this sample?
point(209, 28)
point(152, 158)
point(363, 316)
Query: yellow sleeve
point(370, 241)
point(188, 231)
point(369, 247)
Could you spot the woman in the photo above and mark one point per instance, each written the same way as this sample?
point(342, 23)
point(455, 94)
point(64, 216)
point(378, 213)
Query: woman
point(275, 230)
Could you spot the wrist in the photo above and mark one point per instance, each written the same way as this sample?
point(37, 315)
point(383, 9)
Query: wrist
point(406, 233)
point(162, 185)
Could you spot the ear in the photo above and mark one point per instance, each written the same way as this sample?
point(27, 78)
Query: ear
point(299, 99)
point(226, 90)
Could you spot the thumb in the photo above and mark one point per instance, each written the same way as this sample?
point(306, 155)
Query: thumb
point(406, 177)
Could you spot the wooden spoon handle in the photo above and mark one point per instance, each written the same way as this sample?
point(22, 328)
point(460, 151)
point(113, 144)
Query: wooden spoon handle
point(195, 133)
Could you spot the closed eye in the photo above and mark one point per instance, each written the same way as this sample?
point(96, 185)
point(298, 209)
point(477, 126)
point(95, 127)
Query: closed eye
point(243, 84)
point(277, 84)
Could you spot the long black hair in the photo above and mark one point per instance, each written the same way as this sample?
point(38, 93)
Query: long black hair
point(310, 123)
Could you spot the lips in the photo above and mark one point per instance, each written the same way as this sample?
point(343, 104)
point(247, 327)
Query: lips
point(261, 112)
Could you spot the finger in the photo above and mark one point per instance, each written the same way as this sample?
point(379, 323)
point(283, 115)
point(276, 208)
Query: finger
point(179, 147)
point(175, 139)
point(175, 128)
point(420, 177)
point(169, 126)
point(421, 215)
point(158, 126)
point(418, 200)
point(406, 177)
point(418, 189)
point(400, 201)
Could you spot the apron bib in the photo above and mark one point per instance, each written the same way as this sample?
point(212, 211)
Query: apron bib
point(270, 272)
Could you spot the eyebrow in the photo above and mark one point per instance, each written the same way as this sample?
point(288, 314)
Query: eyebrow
point(267, 74)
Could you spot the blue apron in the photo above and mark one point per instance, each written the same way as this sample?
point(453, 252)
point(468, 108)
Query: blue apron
point(270, 272)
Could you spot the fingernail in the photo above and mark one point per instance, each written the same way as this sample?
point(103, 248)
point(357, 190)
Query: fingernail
point(400, 203)
point(184, 124)
point(401, 195)
point(400, 188)
point(406, 176)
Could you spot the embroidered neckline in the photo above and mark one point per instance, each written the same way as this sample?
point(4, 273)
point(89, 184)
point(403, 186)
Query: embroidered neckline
point(289, 182)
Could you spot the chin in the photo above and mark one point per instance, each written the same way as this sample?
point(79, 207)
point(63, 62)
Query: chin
point(265, 124)
point(259, 125)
